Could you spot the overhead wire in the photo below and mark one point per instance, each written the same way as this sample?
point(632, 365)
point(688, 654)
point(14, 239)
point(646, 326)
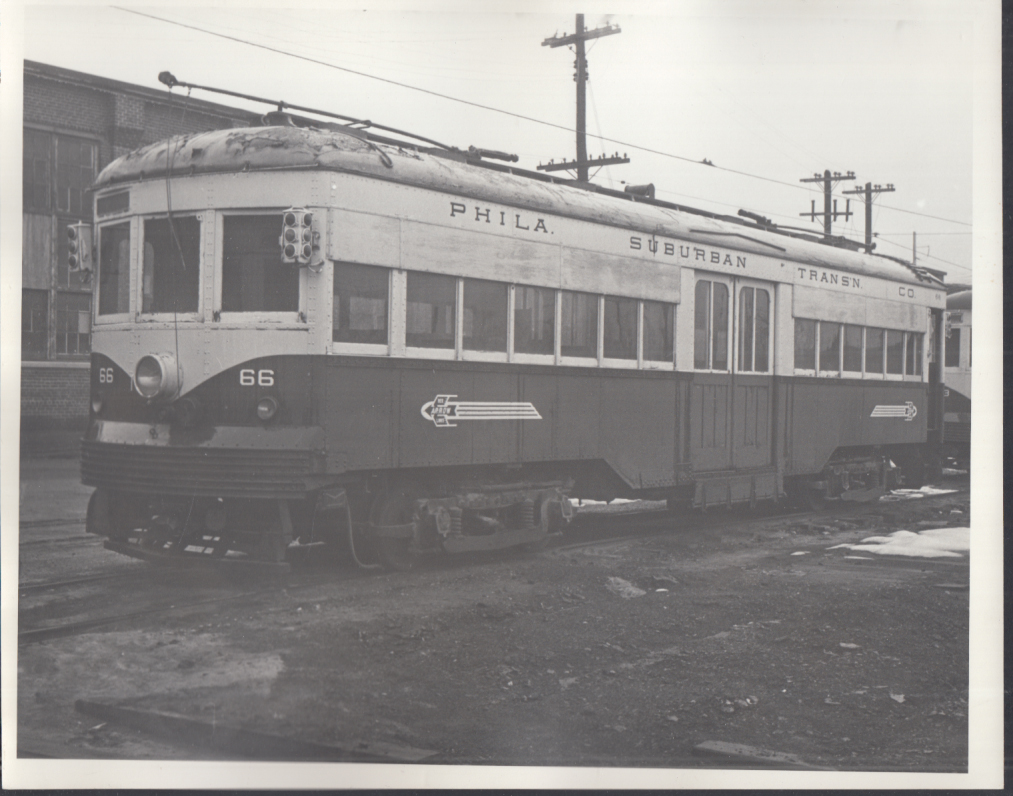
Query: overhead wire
point(482, 106)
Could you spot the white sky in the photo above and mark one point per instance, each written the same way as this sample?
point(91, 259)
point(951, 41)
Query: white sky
point(775, 89)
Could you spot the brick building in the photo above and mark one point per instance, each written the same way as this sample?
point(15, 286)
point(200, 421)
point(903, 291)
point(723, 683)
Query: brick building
point(75, 124)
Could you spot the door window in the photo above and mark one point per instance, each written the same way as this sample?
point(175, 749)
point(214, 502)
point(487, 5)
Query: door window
point(754, 330)
point(710, 343)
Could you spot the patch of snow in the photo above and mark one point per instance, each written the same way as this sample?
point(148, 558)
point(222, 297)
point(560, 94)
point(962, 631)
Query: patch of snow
point(624, 588)
point(934, 543)
point(915, 494)
point(801, 553)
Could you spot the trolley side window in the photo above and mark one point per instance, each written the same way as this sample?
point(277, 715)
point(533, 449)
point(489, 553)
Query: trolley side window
point(710, 345)
point(874, 350)
point(171, 269)
point(579, 325)
point(852, 348)
point(805, 344)
point(114, 269)
point(484, 315)
point(953, 348)
point(431, 321)
point(620, 328)
point(913, 354)
point(754, 330)
point(894, 352)
point(830, 347)
point(360, 303)
point(534, 320)
point(254, 279)
point(659, 331)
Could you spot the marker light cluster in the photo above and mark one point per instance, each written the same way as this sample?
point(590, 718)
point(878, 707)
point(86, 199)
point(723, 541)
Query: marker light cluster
point(79, 246)
point(297, 236)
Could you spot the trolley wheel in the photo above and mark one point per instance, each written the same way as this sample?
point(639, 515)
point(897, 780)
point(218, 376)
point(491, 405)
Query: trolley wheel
point(395, 507)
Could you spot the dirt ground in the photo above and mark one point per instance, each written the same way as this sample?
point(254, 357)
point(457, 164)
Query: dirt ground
point(628, 653)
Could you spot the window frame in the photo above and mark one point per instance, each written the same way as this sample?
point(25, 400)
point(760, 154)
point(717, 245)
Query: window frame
point(233, 318)
point(740, 285)
point(137, 269)
point(820, 372)
point(729, 285)
point(426, 352)
point(657, 364)
point(133, 283)
point(567, 359)
point(638, 356)
point(524, 357)
point(853, 374)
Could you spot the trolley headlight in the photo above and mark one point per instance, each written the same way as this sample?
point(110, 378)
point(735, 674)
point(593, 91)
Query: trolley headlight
point(158, 376)
point(267, 407)
point(96, 404)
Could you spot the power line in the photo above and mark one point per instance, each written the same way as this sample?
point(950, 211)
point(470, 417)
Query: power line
point(499, 110)
point(931, 256)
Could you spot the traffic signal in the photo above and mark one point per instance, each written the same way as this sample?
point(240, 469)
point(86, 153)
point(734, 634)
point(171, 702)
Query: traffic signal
point(79, 246)
point(297, 236)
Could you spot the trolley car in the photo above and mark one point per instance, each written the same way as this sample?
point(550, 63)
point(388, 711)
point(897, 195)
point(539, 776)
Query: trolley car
point(957, 369)
point(318, 334)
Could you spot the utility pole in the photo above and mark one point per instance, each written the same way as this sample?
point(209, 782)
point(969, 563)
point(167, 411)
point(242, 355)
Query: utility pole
point(829, 183)
point(870, 191)
point(578, 39)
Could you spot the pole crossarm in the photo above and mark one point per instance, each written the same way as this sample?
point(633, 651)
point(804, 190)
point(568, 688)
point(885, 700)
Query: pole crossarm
point(573, 164)
point(573, 38)
point(870, 191)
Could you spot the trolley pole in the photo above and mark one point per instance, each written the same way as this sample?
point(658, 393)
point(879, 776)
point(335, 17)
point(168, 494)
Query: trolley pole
point(829, 183)
point(870, 192)
point(580, 76)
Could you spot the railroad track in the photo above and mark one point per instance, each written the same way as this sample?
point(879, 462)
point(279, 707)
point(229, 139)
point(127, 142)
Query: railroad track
point(602, 527)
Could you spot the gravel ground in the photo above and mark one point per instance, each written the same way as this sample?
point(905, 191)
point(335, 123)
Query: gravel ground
point(629, 653)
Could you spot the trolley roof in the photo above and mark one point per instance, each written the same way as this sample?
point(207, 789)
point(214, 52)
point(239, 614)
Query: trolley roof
point(350, 150)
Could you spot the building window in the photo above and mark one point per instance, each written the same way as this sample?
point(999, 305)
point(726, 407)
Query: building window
point(36, 180)
point(952, 355)
point(852, 348)
point(894, 352)
point(73, 323)
point(710, 344)
point(485, 315)
point(805, 344)
point(913, 358)
point(431, 317)
point(620, 338)
point(114, 269)
point(830, 347)
point(534, 320)
point(874, 351)
point(754, 330)
point(75, 170)
point(171, 271)
point(59, 167)
point(579, 325)
point(34, 311)
point(659, 331)
point(360, 304)
point(254, 279)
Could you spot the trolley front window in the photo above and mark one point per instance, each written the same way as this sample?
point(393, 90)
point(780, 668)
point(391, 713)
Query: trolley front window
point(431, 318)
point(254, 279)
point(579, 327)
point(360, 303)
point(171, 271)
point(952, 355)
point(114, 269)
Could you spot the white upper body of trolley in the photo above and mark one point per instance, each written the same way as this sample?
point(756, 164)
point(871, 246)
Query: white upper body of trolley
point(409, 212)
